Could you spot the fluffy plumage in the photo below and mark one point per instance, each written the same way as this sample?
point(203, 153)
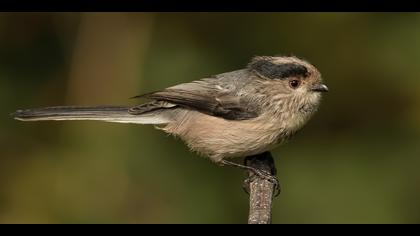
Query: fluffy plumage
point(239, 113)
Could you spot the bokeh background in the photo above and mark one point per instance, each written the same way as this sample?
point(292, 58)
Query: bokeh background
point(356, 161)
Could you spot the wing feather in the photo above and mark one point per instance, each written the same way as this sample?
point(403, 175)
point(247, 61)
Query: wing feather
point(209, 96)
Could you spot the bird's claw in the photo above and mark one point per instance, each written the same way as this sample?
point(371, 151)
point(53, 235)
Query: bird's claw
point(264, 175)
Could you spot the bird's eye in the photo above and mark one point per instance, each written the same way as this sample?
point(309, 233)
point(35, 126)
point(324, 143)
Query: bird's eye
point(294, 83)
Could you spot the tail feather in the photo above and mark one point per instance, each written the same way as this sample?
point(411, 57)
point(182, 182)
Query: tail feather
point(99, 113)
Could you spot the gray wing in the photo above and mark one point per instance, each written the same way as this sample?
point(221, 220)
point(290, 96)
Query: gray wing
point(217, 96)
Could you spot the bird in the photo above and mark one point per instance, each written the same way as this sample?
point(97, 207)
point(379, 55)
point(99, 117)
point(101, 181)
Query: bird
point(235, 114)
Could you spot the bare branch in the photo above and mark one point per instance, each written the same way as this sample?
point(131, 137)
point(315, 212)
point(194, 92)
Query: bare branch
point(261, 190)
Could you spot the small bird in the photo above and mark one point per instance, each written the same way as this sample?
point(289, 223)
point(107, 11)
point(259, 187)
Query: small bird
point(234, 114)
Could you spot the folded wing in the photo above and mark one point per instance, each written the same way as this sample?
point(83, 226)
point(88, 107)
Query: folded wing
point(209, 96)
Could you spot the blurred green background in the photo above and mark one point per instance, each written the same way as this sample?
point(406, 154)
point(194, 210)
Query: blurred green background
point(356, 161)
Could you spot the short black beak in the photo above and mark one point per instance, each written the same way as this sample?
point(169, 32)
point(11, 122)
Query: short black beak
point(319, 88)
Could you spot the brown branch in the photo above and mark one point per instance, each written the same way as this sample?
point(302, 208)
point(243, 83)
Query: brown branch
point(261, 190)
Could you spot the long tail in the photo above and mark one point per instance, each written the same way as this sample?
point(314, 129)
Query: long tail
point(100, 113)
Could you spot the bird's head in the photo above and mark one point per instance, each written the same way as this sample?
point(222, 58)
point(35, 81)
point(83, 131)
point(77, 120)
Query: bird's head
point(289, 78)
point(296, 75)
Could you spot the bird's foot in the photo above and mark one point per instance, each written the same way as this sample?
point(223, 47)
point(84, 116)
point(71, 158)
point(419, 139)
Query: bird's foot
point(263, 175)
point(255, 173)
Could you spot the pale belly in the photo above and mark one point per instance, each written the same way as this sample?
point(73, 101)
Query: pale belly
point(218, 138)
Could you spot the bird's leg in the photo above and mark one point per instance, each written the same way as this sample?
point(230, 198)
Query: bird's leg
point(233, 164)
point(265, 162)
point(256, 172)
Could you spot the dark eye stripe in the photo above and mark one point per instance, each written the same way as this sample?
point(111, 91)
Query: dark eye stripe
point(278, 71)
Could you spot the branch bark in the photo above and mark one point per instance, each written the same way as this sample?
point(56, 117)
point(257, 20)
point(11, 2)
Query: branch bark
point(261, 190)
